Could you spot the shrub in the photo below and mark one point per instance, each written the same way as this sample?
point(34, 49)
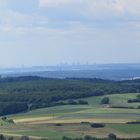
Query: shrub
point(105, 100)
point(58, 124)
point(10, 121)
point(133, 122)
point(4, 118)
point(24, 138)
point(11, 138)
point(2, 137)
point(97, 125)
point(112, 136)
point(66, 138)
point(89, 138)
point(82, 102)
point(138, 96)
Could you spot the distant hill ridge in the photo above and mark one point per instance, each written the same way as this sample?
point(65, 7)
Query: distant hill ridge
point(102, 71)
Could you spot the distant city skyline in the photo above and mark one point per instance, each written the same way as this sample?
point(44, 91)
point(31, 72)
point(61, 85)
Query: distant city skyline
point(51, 32)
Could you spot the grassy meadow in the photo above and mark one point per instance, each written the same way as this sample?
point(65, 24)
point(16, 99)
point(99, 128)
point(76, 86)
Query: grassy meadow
point(43, 122)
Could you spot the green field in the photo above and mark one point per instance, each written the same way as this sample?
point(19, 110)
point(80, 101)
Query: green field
point(42, 122)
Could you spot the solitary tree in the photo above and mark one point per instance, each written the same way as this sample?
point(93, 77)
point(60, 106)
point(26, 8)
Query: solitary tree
point(112, 136)
point(105, 100)
point(138, 96)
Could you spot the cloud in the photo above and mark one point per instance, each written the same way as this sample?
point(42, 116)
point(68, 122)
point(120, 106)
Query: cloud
point(15, 22)
point(71, 30)
point(54, 3)
point(3, 8)
point(3, 3)
point(98, 7)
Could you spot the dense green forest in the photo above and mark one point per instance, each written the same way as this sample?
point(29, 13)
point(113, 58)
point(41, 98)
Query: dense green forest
point(24, 93)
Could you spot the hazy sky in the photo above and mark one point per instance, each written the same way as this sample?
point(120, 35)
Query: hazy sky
point(49, 32)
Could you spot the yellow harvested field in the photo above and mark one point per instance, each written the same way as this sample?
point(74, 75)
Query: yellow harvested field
point(87, 120)
point(45, 120)
point(28, 120)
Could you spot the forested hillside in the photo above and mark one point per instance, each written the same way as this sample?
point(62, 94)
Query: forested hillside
point(25, 93)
